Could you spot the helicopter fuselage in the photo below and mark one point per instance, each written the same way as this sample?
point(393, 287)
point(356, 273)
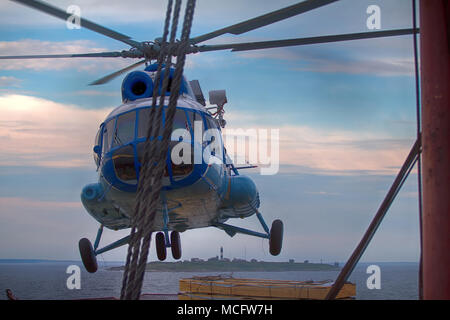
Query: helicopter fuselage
point(195, 195)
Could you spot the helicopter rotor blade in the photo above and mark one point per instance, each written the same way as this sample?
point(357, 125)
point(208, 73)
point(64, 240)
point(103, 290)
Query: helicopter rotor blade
point(304, 41)
point(113, 75)
point(76, 55)
point(265, 19)
point(56, 12)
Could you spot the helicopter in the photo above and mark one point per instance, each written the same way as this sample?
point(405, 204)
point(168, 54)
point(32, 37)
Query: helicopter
point(195, 194)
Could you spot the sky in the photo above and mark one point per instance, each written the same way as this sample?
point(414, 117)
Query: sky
point(345, 111)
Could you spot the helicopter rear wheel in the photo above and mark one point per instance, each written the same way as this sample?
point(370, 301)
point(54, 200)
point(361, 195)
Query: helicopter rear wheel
point(88, 255)
point(175, 244)
point(276, 237)
point(161, 250)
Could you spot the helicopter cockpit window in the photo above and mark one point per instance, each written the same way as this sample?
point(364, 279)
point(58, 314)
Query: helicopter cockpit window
point(180, 120)
point(123, 159)
point(212, 124)
point(182, 170)
point(124, 131)
point(108, 129)
point(140, 154)
point(143, 121)
point(97, 145)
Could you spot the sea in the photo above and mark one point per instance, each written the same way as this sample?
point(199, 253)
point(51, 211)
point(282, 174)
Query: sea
point(47, 280)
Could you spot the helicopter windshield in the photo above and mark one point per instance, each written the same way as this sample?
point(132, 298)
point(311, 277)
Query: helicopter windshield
point(124, 164)
point(96, 145)
point(108, 129)
point(143, 121)
point(127, 148)
point(124, 131)
point(180, 121)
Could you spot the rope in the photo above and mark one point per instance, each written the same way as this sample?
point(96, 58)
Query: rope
point(133, 244)
point(155, 152)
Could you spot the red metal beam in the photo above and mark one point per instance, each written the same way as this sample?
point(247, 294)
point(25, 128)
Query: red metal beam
point(435, 91)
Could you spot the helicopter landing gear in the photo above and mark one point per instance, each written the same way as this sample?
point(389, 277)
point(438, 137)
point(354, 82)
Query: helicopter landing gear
point(88, 255)
point(175, 244)
point(275, 234)
point(161, 250)
point(276, 237)
point(162, 238)
point(161, 245)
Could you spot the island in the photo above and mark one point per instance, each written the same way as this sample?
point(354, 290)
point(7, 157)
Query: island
point(235, 265)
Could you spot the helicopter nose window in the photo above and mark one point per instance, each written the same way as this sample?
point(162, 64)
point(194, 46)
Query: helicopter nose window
point(140, 155)
point(124, 132)
point(123, 159)
point(143, 121)
point(96, 145)
point(182, 170)
point(107, 134)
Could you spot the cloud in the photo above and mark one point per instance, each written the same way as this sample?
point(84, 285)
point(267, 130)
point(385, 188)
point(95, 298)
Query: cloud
point(351, 57)
point(97, 93)
point(35, 47)
point(40, 132)
point(304, 149)
point(9, 81)
point(138, 11)
point(97, 11)
point(30, 203)
point(342, 152)
point(380, 67)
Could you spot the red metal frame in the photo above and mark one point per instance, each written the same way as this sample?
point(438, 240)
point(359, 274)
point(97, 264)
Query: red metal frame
point(435, 91)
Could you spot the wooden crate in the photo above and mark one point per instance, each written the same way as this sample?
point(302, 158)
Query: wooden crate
point(260, 288)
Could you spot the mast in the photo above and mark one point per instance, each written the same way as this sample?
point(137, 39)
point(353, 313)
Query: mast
point(435, 91)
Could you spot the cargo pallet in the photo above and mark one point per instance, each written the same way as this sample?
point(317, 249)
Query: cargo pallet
point(218, 287)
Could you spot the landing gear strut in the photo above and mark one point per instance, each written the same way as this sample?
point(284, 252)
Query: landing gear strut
point(162, 238)
point(162, 245)
point(89, 253)
point(275, 234)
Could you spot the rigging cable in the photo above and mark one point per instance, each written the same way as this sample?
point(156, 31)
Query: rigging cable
point(155, 153)
point(419, 130)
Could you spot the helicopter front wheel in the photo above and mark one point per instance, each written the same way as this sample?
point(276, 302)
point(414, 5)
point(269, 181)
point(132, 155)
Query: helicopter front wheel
point(276, 237)
point(88, 255)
